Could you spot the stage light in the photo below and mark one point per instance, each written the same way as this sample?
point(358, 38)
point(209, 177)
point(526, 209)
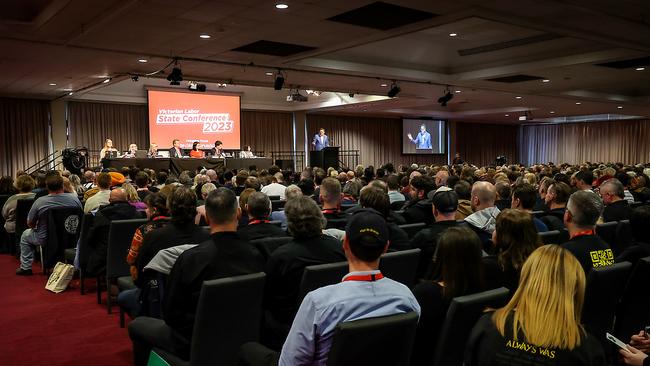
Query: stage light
point(394, 90)
point(175, 77)
point(281, 6)
point(640, 68)
point(620, 107)
point(221, 85)
point(135, 78)
point(507, 115)
point(453, 34)
point(518, 97)
point(443, 100)
point(194, 86)
point(383, 85)
point(269, 73)
point(143, 60)
point(313, 92)
point(545, 80)
point(204, 36)
point(279, 81)
point(52, 84)
point(578, 103)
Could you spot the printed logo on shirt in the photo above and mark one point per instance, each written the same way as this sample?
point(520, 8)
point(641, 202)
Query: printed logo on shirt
point(602, 258)
point(534, 350)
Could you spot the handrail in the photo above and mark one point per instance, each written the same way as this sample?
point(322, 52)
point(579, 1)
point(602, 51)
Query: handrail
point(38, 162)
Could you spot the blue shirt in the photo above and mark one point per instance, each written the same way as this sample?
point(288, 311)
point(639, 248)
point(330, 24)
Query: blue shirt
point(38, 213)
point(540, 225)
point(310, 337)
point(423, 140)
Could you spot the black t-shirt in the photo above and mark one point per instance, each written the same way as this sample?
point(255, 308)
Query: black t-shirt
point(487, 347)
point(262, 230)
point(496, 276)
point(591, 251)
point(427, 240)
point(617, 211)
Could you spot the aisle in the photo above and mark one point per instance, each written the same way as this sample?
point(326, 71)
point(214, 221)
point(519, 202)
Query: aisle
point(38, 327)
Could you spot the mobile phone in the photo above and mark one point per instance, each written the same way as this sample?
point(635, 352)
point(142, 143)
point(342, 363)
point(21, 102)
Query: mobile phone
point(646, 332)
point(616, 341)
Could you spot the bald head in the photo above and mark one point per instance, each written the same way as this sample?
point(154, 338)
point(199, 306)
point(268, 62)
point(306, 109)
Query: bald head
point(117, 195)
point(483, 195)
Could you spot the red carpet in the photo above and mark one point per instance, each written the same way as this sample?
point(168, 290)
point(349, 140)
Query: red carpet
point(38, 327)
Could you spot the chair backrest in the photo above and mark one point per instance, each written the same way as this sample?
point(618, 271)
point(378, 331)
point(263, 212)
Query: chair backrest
point(3, 200)
point(347, 206)
point(86, 223)
point(22, 210)
point(373, 341)
point(320, 275)
point(274, 198)
point(539, 214)
point(401, 266)
point(607, 232)
point(228, 314)
point(412, 229)
point(267, 246)
point(120, 235)
point(605, 286)
point(336, 224)
point(395, 206)
point(276, 205)
point(63, 227)
point(564, 235)
point(550, 237)
point(632, 313)
point(624, 237)
point(636, 204)
point(462, 315)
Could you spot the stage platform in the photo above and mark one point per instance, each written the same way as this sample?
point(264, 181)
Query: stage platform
point(177, 165)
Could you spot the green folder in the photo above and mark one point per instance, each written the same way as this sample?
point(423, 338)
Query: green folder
point(156, 360)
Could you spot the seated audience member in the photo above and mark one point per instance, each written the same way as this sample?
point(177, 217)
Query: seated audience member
point(540, 202)
point(363, 293)
point(637, 351)
point(582, 212)
point(7, 185)
point(330, 196)
point(351, 192)
point(616, 207)
point(142, 184)
point(41, 189)
point(640, 225)
point(464, 192)
point(200, 210)
point(556, 199)
point(258, 207)
point(89, 180)
point(24, 185)
point(222, 254)
point(253, 182)
point(394, 194)
point(307, 187)
point(36, 234)
point(624, 179)
point(458, 271)
point(100, 198)
point(132, 197)
point(117, 209)
point(275, 188)
point(240, 181)
point(484, 218)
point(418, 209)
point(445, 204)
point(290, 193)
point(243, 199)
point(584, 180)
point(543, 315)
point(640, 192)
point(309, 246)
point(503, 200)
point(181, 230)
point(441, 178)
point(523, 198)
point(514, 239)
point(377, 199)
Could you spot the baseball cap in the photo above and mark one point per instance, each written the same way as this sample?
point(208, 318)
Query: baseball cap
point(367, 223)
point(445, 199)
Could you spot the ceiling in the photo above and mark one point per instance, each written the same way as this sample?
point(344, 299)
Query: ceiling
point(341, 47)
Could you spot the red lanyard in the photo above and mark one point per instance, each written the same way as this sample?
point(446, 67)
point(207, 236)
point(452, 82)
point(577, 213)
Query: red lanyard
point(331, 211)
point(582, 233)
point(367, 278)
point(255, 222)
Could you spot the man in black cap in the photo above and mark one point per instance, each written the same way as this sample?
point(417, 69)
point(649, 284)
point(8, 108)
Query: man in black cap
point(444, 205)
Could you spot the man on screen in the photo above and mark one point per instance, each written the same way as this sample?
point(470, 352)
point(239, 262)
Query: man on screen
point(423, 139)
point(176, 151)
point(321, 140)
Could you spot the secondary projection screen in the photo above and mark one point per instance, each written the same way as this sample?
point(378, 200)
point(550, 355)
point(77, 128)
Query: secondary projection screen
point(191, 117)
point(423, 136)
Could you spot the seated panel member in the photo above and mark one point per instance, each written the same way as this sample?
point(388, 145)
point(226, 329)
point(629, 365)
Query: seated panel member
point(108, 150)
point(131, 153)
point(247, 153)
point(153, 150)
point(195, 152)
point(176, 151)
point(217, 151)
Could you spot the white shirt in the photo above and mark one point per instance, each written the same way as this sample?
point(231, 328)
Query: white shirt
point(274, 189)
point(98, 199)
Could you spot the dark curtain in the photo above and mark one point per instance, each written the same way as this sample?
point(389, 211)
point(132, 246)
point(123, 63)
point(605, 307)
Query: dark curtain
point(24, 133)
point(480, 143)
point(609, 141)
point(267, 131)
point(92, 123)
point(377, 139)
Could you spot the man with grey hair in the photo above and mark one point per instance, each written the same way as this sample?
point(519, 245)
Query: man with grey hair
point(258, 207)
point(582, 212)
point(212, 176)
point(616, 206)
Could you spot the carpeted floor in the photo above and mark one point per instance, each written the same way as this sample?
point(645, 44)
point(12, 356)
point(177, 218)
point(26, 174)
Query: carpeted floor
point(38, 327)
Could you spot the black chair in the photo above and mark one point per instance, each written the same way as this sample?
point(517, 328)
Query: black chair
point(550, 237)
point(412, 229)
point(373, 341)
point(320, 275)
point(607, 232)
point(396, 206)
point(637, 204)
point(86, 224)
point(401, 266)
point(347, 206)
point(336, 224)
point(463, 313)
point(63, 227)
point(274, 198)
point(22, 210)
point(221, 327)
point(120, 235)
point(5, 244)
point(564, 236)
point(624, 237)
point(277, 205)
point(267, 246)
point(632, 313)
point(539, 214)
point(605, 286)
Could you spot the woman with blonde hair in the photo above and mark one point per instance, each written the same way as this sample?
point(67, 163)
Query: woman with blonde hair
point(132, 197)
point(541, 323)
point(108, 147)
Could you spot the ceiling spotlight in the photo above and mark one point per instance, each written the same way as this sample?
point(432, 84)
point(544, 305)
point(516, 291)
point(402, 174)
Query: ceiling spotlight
point(383, 85)
point(507, 115)
point(640, 68)
point(222, 85)
point(205, 36)
point(620, 107)
point(143, 60)
point(70, 93)
point(527, 115)
point(176, 76)
point(545, 80)
point(453, 34)
point(552, 112)
point(279, 81)
point(107, 81)
point(52, 84)
point(578, 103)
point(443, 100)
point(457, 91)
point(269, 73)
point(67, 89)
point(394, 90)
point(135, 78)
point(281, 6)
point(518, 97)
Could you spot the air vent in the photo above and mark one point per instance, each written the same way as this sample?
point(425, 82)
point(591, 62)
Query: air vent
point(508, 44)
point(627, 64)
point(515, 78)
point(273, 48)
point(382, 16)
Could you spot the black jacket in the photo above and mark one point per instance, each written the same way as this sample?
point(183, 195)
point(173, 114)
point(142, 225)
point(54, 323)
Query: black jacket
point(554, 219)
point(420, 211)
point(617, 211)
point(591, 251)
point(260, 230)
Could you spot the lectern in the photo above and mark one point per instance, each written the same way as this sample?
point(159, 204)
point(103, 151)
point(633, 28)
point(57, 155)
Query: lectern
point(328, 157)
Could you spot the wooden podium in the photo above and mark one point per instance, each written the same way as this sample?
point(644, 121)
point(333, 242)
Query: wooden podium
point(328, 157)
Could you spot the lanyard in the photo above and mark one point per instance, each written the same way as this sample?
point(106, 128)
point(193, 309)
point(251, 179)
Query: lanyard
point(367, 278)
point(255, 222)
point(582, 233)
point(331, 211)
